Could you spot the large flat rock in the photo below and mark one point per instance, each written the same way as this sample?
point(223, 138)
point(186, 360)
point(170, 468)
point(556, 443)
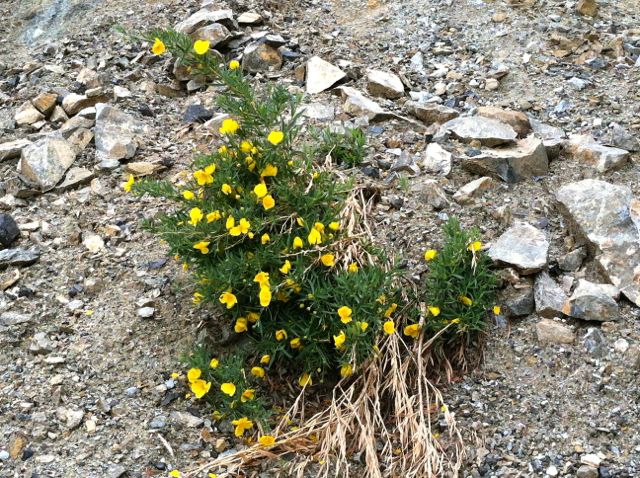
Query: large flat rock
point(44, 163)
point(489, 131)
point(522, 246)
point(117, 134)
point(604, 214)
point(322, 75)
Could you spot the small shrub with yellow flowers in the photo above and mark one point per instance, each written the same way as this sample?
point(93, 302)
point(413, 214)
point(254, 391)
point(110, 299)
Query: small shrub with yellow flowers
point(259, 225)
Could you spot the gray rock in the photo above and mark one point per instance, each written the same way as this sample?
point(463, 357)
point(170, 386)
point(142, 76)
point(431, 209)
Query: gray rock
point(572, 261)
point(384, 84)
point(437, 160)
point(603, 214)
point(621, 138)
point(8, 319)
point(518, 300)
point(158, 423)
point(431, 113)
point(40, 344)
point(322, 75)
point(603, 158)
point(27, 114)
point(75, 177)
point(146, 312)
point(516, 119)
point(621, 346)
point(9, 230)
point(586, 471)
point(522, 246)
point(186, 419)
point(577, 84)
point(405, 163)
point(632, 357)
point(250, 18)
point(259, 57)
point(356, 104)
point(18, 257)
point(74, 103)
point(116, 471)
point(466, 193)
point(549, 296)
point(320, 111)
point(431, 193)
point(71, 418)
point(12, 149)
point(44, 163)
point(4, 455)
point(551, 331)
point(216, 34)
point(595, 343)
point(591, 301)
point(204, 17)
point(58, 115)
point(488, 131)
point(117, 134)
point(524, 160)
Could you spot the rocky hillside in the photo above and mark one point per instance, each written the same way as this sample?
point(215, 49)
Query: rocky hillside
point(520, 117)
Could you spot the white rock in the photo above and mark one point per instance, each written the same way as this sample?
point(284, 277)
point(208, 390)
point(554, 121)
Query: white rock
point(621, 346)
point(591, 459)
point(466, 193)
point(203, 17)
point(117, 134)
point(44, 163)
point(384, 84)
point(523, 246)
point(322, 75)
point(437, 160)
point(356, 104)
point(27, 114)
point(12, 149)
point(93, 242)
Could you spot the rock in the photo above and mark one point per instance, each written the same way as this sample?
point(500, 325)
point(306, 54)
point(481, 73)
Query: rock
point(587, 8)
point(384, 85)
point(17, 443)
point(491, 84)
point(259, 57)
point(9, 230)
point(356, 104)
point(27, 114)
point(45, 102)
point(75, 177)
point(186, 419)
point(603, 158)
point(437, 160)
point(489, 132)
point(116, 133)
point(518, 300)
point(78, 138)
point(516, 119)
point(4, 455)
point(216, 34)
point(549, 296)
point(71, 418)
point(621, 138)
point(522, 246)
point(204, 17)
point(466, 193)
point(591, 459)
point(431, 113)
point(7, 319)
point(586, 471)
point(632, 357)
point(12, 149)
point(146, 312)
point(552, 137)
point(603, 214)
point(432, 194)
point(18, 257)
point(621, 346)
point(93, 242)
point(40, 344)
point(116, 471)
point(73, 103)
point(405, 163)
point(250, 18)
point(58, 115)
point(525, 160)
point(591, 301)
point(551, 331)
point(572, 261)
point(89, 78)
point(196, 114)
point(119, 92)
point(322, 75)
point(320, 111)
point(44, 163)
point(143, 168)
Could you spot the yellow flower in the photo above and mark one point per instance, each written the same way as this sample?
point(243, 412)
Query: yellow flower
point(249, 394)
point(267, 440)
point(334, 226)
point(228, 299)
point(363, 326)
point(265, 359)
point(188, 195)
point(201, 47)
point(339, 340)
point(300, 221)
point(286, 267)
point(435, 311)
point(174, 473)
point(204, 176)
point(275, 137)
point(242, 425)
point(265, 296)
point(226, 189)
point(345, 314)
point(268, 202)
point(265, 238)
point(229, 126)
point(127, 186)
point(212, 475)
point(200, 388)
point(389, 327)
point(269, 171)
point(230, 223)
point(223, 149)
point(304, 380)
point(497, 309)
point(297, 243)
point(319, 226)
point(465, 300)
point(392, 308)
point(328, 260)
point(295, 343)
point(228, 389)
point(262, 278)
point(175, 375)
point(241, 325)
point(353, 267)
point(430, 254)
point(260, 190)
point(202, 246)
point(253, 317)
point(412, 330)
point(234, 64)
point(193, 374)
point(214, 363)
point(475, 246)
point(242, 228)
point(281, 335)
point(214, 216)
point(246, 147)
point(196, 216)
point(158, 48)
point(454, 321)
point(346, 370)
point(314, 237)
point(258, 372)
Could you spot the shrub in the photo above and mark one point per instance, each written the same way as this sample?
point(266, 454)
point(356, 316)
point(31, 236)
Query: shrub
point(345, 148)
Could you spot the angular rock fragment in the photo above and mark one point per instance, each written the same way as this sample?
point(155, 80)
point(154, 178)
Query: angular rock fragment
point(551, 331)
point(518, 300)
point(18, 257)
point(45, 102)
point(548, 295)
point(44, 163)
point(603, 215)
point(437, 160)
point(588, 8)
point(259, 57)
point(117, 134)
point(603, 158)
point(250, 18)
point(322, 75)
point(591, 301)
point(431, 193)
point(216, 34)
point(27, 114)
point(489, 132)
point(621, 138)
point(384, 84)
point(73, 103)
point(522, 246)
point(431, 113)
point(512, 163)
point(12, 149)
point(466, 193)
point(516, 119)
point(204, 17)
point(9, 230)
point(75, 177)
point(356, 104)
